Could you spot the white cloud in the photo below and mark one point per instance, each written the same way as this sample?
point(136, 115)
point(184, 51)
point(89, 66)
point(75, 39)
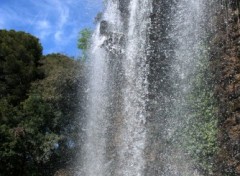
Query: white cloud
point(55, 22)
point(43, 28)
point(43, 34)
point(10, 17)
point(59, 11)
point(64, 14)
point(58, 36)
point(43, 24)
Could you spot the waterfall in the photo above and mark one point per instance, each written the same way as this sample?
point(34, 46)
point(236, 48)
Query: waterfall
point(118, 98)
point(95, 144)
point(135, 91)
point(188, 36)
point(143, 56)
point(99, 101)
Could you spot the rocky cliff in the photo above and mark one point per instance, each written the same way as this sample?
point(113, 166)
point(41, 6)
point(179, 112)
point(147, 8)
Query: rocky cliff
point(219, 32)
point(225, 58)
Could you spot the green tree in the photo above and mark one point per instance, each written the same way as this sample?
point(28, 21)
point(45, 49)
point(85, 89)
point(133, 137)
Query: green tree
point(63, 80)
point(19, 56)
point(39, 107)
point(84, 41)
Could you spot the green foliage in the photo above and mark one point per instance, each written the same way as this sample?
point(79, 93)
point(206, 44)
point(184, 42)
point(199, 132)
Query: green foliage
point(38, 107)
point(19, 56)
point(59, 89)
point(84, 41)
point(200, 132)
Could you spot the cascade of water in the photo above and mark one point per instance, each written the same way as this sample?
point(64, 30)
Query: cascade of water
point(188, 36)
point(96, 123)
point(131, 70)
point(95, 148)
point(126, 155)
point(135, 91)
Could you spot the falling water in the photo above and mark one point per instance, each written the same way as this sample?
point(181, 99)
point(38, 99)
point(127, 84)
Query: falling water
point(135, 91)
point(95, 145)
point(188, 35)
point(129, 102)
point(95, 149)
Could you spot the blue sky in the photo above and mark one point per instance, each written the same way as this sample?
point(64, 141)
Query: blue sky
point(55, 22)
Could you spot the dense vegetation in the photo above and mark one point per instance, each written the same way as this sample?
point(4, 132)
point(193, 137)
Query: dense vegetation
point(38, 107)
point(200, 128)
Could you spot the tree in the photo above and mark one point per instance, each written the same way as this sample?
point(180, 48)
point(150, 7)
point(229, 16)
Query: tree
point(38, 107)
point(84, 41)
point(19, 56)
point(63, 79)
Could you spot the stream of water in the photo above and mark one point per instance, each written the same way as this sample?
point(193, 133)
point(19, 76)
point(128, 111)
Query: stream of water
point(119, 99)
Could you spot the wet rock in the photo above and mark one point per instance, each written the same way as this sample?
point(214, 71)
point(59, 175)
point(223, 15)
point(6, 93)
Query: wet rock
point(234, 133)
point(230, 122)
point(238, 52)
point(237, 90)
point(237, 78)
point(104, 27)
point(123, 7)
point(114, 43)
point(225, 57)
point(238, 169)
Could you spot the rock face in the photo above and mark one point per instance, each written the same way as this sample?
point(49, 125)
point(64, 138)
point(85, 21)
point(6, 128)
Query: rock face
point(159, 59)
point(104, 27)
point(226, 68)
point(223, 26)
